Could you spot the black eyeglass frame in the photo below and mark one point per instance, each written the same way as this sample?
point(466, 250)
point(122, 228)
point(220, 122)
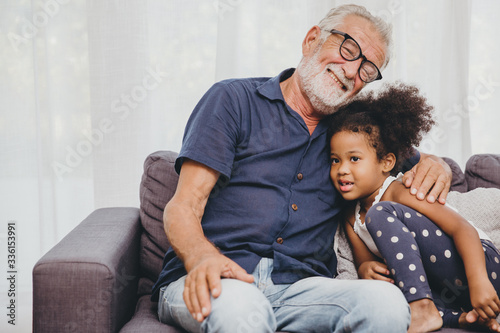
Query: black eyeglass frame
point(361, 55)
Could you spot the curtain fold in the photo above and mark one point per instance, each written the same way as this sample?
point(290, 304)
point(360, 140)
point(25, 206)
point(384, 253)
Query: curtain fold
point(89, 88)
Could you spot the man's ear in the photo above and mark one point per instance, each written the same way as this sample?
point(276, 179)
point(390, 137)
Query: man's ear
point(388, 162)
point(311, 40)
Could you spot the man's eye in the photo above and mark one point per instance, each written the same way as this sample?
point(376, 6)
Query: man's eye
point(354, 159)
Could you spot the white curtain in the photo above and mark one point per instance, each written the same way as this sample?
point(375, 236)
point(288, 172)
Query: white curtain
point(89, 88)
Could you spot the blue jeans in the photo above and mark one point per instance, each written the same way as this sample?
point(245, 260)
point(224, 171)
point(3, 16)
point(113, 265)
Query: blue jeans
point(315, 304)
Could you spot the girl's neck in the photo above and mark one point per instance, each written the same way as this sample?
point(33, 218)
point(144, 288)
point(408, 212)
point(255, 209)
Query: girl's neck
point(367, 202)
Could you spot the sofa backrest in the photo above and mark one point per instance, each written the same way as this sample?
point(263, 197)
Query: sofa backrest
point(158, 185)
point(483, 170)
point(458, 181)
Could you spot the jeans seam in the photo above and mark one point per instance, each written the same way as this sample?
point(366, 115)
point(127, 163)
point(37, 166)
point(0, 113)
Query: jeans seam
point(283, 304)
point(164, 304)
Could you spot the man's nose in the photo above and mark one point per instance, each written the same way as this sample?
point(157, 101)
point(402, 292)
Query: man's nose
point(351, 68)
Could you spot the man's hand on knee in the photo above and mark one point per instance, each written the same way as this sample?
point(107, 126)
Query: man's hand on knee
point(203, 280)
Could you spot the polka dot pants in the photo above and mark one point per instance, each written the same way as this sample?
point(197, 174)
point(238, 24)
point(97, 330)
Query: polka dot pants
point(423, 260)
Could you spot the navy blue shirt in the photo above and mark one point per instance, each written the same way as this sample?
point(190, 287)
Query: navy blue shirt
point(274, 197)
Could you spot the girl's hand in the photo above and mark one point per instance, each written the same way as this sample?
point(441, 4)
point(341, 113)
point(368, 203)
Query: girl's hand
point(374, 270)
point(484, 299)
point(472, 318)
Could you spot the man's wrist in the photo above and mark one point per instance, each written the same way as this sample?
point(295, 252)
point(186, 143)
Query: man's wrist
point(194, 258)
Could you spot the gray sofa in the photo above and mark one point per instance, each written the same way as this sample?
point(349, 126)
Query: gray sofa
point(99, 277)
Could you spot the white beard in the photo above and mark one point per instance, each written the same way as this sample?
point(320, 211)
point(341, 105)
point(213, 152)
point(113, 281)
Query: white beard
point(325, 96)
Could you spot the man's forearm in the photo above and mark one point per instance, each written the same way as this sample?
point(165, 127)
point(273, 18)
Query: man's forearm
point(184, 232)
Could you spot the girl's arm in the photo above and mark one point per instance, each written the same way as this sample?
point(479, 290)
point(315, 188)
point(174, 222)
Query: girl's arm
point(483, 296)
point(367, 264)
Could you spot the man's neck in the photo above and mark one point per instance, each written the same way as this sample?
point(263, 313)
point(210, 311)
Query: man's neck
point(295, 98)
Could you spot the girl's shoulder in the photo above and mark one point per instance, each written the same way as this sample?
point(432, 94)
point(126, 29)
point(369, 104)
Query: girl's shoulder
point(394, 190)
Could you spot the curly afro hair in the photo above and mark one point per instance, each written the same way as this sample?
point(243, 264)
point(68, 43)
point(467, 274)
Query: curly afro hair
point(394, 119)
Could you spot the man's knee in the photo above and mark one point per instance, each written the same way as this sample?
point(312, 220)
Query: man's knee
point(240, 308)
point(386, 306)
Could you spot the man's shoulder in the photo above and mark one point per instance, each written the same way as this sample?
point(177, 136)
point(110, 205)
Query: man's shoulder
point(241, 83)
point(243, 89)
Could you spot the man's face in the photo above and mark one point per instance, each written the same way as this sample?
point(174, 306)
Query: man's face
point(330, 81)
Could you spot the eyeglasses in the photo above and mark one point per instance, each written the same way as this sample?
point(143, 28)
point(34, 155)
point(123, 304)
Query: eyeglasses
point(350, 50)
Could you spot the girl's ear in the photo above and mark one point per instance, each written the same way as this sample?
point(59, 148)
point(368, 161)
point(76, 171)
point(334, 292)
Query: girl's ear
point(388, 162)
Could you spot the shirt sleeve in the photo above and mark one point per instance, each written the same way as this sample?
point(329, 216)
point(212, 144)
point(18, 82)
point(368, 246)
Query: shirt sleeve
point(411, 161)
point(211, 133)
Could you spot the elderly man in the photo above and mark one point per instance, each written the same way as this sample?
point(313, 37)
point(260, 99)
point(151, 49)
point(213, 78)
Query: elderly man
point(253, 219)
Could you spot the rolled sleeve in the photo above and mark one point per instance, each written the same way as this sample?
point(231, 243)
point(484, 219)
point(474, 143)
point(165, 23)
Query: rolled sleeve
point(212, 131)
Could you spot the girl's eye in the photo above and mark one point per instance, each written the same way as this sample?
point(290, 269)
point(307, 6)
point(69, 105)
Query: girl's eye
point(354, 159)
point(335, 160)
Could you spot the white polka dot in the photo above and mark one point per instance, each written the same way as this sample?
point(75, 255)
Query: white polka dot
point(422, 278)
point(407, 215)
point(390, 219)
point(454, 313)
point(405, 229)
point(496, 260)
point(425, 232)
point(458, 282)
point(494, 275)
point(379, 233)
point(379, 208)
point(414, 247)
point(414, 235)
point(484, 249)
point(394, 213)
point(393, 271)
point(368, 219)
point(447, 254)
point(439, 233)
point(441, 313)
point(433, 258)
point(394, 239)
point(399, 256)
point(401, 284)
point(413, 290)
point(412, 267)
point(419, 215)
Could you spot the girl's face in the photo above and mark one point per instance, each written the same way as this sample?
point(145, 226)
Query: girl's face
point(356, 171)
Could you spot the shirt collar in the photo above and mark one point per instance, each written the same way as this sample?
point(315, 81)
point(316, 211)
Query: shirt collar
point(271, 88)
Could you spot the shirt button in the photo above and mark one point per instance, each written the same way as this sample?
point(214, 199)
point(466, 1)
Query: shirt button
point(294, 207)
point(300, 176)
point(279, 240)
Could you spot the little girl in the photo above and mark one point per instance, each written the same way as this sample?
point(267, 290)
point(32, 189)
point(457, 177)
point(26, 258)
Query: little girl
point(448, 270)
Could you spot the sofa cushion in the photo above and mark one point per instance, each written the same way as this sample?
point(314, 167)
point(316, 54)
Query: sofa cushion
point(158, 185)
point(482, 170)
point(145, 319)
point(480, 206)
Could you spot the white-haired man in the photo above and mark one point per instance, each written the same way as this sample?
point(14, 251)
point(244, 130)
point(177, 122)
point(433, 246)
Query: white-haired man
point(253, 219)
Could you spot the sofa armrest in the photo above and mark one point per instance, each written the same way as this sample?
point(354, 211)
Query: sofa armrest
point(88, 281)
